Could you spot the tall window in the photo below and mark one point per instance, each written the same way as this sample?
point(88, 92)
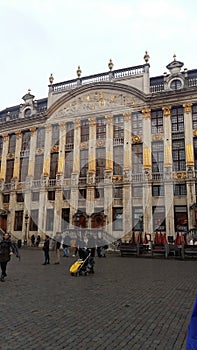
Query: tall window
point(158, 190)
point(117, 219)
point(9, 170)
point(137, 158)
point(137, 191)
point(118, 155)
point(53, 165)
point(100, 128)
point(137, 123)
point(55, 134)
point(177, 117)
point(12, 143)
point(180, 189)
point(18, 220)
point(137, 218)
point(118, 129)
point(178, 155)
point(26, 138)
point(69, 135)
point(33, 223)
point(157, 157)
point(68, 167)
point(84, 130)
point(117, 192)
point(23, 172)
point(83, 162)
point(157, 122)
point(50, 220)
point(38, 168)
point(159, 222)
point(40, 138)
point(100, 162)
point(194, 116)
point(180, 218)
point(65, 218)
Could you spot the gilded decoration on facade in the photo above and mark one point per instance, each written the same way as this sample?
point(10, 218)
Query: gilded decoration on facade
point(117, 178)
point(39, 151)
point(136, 139)
point(92, 121)
point(96, 101)
point(32, 131)
point(5, 137)
point(84, 144)
point(127, 116)
point(179, 175)
point(109, 119)
point(55, 148)
point(187, 107)
point(195, 132)
point(100, 143)
point(10, 156)
point(166, 110)
point(146, 112)
point(189, 154)
point(168, 155)
point(48, 128)
point(19, 186)
point(62, 126)
point(157, 137)
point(147, 157)
point(18, 134)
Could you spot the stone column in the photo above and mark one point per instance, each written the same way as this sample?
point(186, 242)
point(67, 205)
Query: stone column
point(17, 155)
point(108, 190)
point(61, 158)
point(147, 165)
point(168, 179)
point(32, 152)
point(127, 202)
point(91, 169)
point(4, 156)
point(190, 173)
point(47, 150)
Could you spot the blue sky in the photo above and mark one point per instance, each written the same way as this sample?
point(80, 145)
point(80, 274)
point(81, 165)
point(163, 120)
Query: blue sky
point(39, 37)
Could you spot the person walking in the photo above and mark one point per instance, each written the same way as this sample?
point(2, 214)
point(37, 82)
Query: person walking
point(7, 248)
point(57, 252)
point(46, 250)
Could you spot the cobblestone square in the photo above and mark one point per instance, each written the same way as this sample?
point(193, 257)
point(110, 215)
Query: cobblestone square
point(129, 303)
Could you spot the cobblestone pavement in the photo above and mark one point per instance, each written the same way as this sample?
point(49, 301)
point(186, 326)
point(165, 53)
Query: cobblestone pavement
point(129, 303)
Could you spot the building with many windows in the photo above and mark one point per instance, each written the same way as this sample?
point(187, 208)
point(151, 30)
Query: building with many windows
point(116, 150)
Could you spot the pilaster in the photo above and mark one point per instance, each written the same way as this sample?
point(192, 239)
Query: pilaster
point(32, 152)
point(109, 142)
point(4, 156)
point(47, 150)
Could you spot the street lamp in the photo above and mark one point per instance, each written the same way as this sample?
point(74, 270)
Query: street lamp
point(26, 222)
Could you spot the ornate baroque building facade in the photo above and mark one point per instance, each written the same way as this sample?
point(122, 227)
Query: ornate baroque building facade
point(116, 150)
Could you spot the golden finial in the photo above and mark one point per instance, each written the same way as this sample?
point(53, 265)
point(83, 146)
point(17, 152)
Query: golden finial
point(29, 91)
point(51, 79)
point(146, 57)
point(174, 57)
point(79, 71)
point(110, 64)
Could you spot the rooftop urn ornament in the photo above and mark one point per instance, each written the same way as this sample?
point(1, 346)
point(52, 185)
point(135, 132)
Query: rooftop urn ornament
point(51, 79)
point(110, 64)
point(146, 57)
point(79, 72)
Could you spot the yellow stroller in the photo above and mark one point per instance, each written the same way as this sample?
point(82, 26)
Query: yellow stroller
point(81, 266)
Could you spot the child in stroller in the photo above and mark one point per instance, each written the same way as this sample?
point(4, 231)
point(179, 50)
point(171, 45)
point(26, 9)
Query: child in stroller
point(85, 263)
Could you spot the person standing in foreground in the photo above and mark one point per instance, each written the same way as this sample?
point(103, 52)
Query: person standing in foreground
point(46, 250)
point(7, 248)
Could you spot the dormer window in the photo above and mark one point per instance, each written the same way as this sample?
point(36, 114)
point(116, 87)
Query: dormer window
point(27, 112)
point(176, 84)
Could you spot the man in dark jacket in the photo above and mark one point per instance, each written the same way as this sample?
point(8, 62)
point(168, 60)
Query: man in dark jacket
point(7, 248)
point(46, 250)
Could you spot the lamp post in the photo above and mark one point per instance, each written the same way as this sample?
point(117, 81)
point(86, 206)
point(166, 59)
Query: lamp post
point(26, 222)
